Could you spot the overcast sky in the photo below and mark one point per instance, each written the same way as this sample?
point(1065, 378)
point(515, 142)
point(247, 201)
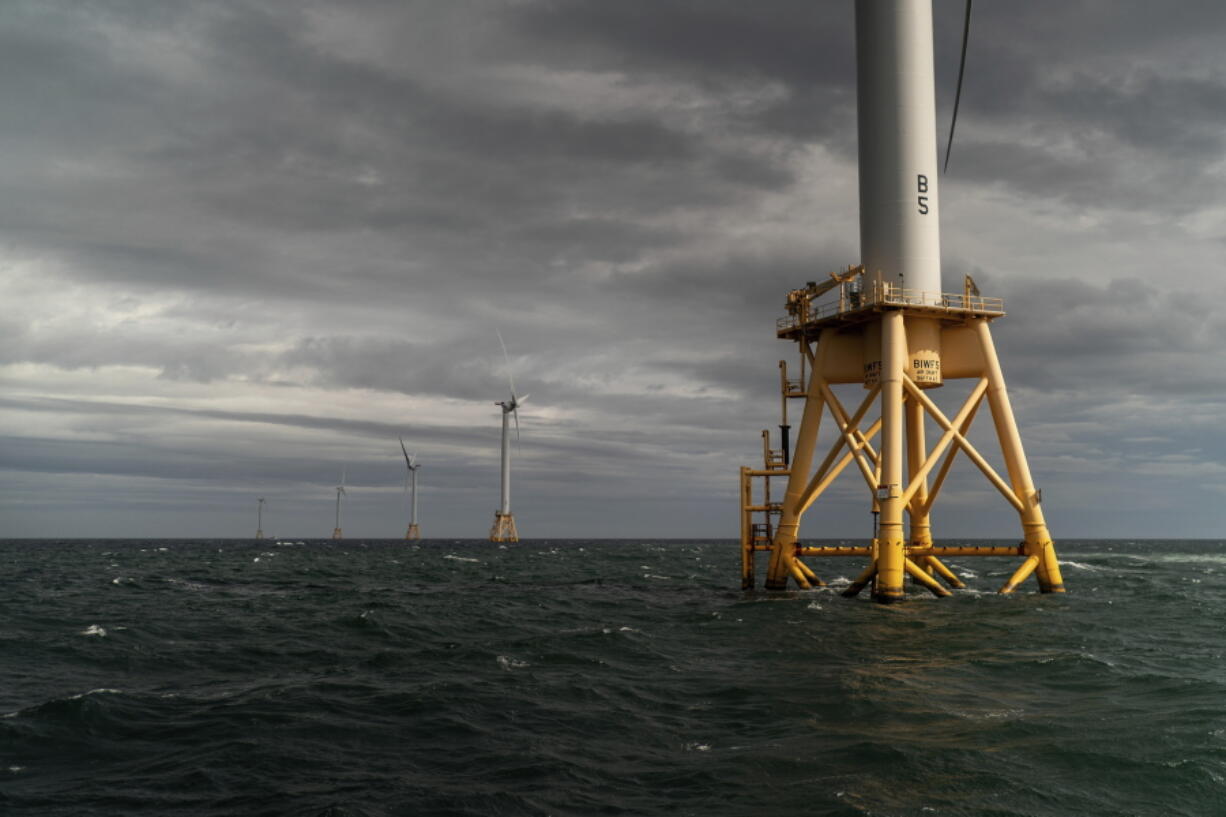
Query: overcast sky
point(244, 245)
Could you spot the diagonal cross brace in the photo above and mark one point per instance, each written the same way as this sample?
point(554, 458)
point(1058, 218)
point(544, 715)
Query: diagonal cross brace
point(963, 443)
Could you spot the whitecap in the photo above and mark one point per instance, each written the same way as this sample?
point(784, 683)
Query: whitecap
point(653, 576)
point(508, 663)
point(455, 558)
point(93, 629)
point(98, 691)
point(698, 747)
point(16, 769)
point(1078, 565)
point(813, 606)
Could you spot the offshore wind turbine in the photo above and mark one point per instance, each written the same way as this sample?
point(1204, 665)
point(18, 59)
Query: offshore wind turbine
point(414, 533)
point(340, 491)
point(892, 331)
point(503, 529)
point(259, 518)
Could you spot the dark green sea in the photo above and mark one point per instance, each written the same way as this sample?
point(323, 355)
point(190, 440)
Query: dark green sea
point(600, 677)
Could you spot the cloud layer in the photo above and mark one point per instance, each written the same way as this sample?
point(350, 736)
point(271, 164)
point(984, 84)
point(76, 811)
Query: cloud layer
point(245, 245)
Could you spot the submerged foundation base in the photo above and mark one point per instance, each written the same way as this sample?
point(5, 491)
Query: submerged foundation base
point(413, 535)
point(503, 529)
point(336, 534)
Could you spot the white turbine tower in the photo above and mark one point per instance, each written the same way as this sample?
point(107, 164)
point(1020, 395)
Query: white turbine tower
point(503, 529)
point(259, 518)
point(340, 491)
point(414, 534)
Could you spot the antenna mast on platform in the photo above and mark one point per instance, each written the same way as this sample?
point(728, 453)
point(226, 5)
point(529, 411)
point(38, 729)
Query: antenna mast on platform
point(890, 328)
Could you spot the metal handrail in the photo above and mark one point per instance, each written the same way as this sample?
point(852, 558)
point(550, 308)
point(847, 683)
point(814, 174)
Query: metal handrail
point(887, 295)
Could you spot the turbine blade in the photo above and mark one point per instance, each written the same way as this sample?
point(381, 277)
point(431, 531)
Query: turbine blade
point(519, 401)
point(515, 414)
point(407, 459)
point(507, 359)
point(966, 28)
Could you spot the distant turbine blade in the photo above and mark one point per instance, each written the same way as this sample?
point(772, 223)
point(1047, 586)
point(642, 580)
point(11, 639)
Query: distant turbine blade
point(507, 359)
point(515, 414)
point(966, 28)
point(407, 459)
point(519, 401)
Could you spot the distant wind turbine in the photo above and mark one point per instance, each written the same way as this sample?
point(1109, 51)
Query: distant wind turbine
point(503, 529)
point(414, 534)
point(259, 518)
point(340, 491)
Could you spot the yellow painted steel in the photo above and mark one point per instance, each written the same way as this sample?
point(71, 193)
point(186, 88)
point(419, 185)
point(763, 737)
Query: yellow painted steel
point(891, 538)
point(1038, 540)
point(949, 457)
point(809, 574)
point(784, 542)
point(503, 529)
point(747, 549)
point(900, 347)
point(869, 574)
point(1022, 574)
point(938, 567)
point(834, 551)
point(916, 495)
point(917, 573)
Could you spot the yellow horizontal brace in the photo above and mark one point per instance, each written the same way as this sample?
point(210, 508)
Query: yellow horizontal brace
point(918, 481)
point(970, 450)
point(915, 572)
point(761, 508)
point(834, 551)
point(760, 473)
point(1022, 574)
point(943, 550)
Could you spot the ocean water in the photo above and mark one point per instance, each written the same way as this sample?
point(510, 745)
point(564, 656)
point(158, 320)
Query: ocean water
point(599, 678)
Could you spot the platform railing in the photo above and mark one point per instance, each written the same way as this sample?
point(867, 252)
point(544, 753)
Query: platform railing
point(849, 301)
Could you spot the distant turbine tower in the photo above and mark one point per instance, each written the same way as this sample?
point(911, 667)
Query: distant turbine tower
point(259, 518)
point(340, 491)
point(503, 529)
point(414, 534)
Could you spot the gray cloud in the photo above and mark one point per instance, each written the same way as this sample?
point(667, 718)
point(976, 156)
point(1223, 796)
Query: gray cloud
point(246, 243)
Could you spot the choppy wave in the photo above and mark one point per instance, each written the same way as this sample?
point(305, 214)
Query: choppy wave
point(465, 678)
